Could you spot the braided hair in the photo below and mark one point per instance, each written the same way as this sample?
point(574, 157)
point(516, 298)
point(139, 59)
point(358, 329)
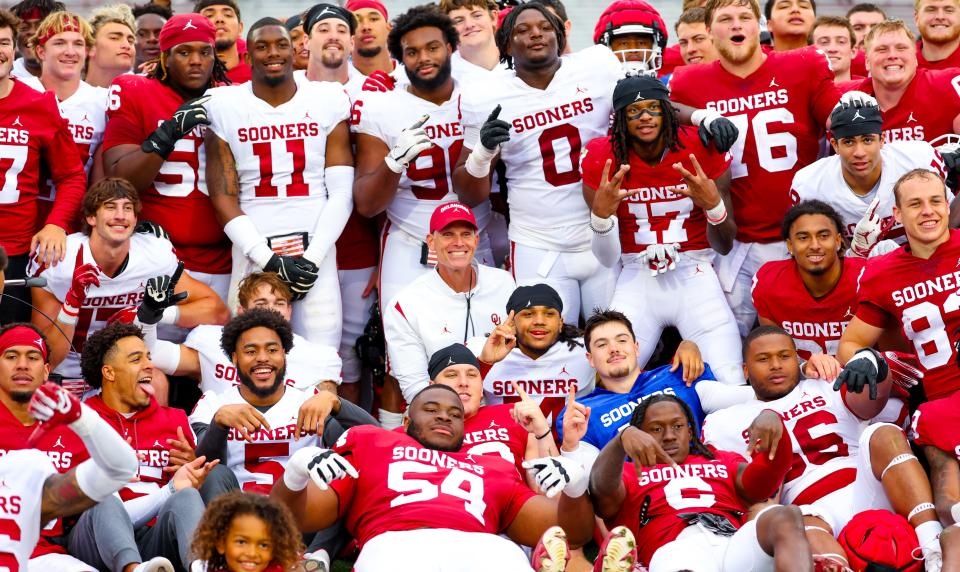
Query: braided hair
point(571, 335)
point(505, 32)
point(620, 133)
point(696, 445)
point(218, 76)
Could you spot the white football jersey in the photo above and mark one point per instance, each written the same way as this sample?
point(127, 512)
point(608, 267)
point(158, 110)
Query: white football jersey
point(548, 130)
point(22, 476)
point(547, 379)
point(823, 180)
point(149, 257)
point(467, 72)
point(307, 363)
point(825, 434)
point(258, 464)
point(280, 152)
point(428, 181)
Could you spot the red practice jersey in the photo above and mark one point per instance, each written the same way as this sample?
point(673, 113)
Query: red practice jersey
point(177, 199)
point(492, 431)
point(815, 324)
point(926, 110)
point(701, 486)
point(239, 73)
point(937, 424)
point(658, 214)
point(65, 450)
point(406, 486)
point(35, 142)
point(921, 297)
point(951, 61)
point(781, 110)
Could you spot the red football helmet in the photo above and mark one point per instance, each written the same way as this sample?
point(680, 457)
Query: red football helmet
point(633, 17)
point(881, 540)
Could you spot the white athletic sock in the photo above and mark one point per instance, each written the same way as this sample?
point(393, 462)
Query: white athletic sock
point(389, 419)
point(927, 534)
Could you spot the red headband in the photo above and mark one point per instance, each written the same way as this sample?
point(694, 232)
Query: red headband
point(354, 5)
point(69, 23)
point(184, 28)
point(23, 336)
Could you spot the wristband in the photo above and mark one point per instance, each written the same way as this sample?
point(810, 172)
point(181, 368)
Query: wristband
point(704, 117)
point(539, 437)
point(479, 161)
point(393, 165)
point(243, 233)
point(602, 226)
point(170, 316)
point(717, 214)
point(68, 315)
point(171, 487)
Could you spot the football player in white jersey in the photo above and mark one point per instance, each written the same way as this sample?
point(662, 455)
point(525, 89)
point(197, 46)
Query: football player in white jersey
point(200, 356)
point(105, 271)
point(536, 353)
point(33, 493)
point(280, 176)
point(849, 456)
point(476, 23)
point(858, 180)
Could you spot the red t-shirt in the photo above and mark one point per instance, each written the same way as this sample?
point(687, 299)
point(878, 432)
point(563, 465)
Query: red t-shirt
point(921, 297)
point(239, 73)
point(815, 324)
point(35, 143)
point(707, 486)
point(937, 424)
point(492, 431)
point(951, 61)
point(781, 110)
point(406, 486)
point(177, 199)
point(658, 214)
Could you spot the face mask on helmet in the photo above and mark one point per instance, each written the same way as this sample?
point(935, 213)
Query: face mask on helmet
point(637, 50)
point(636, 33)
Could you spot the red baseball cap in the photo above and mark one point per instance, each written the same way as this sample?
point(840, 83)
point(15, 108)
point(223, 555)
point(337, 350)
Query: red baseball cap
point(449, 213)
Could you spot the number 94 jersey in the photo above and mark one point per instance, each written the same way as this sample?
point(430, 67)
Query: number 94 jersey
point(922, 298)
point(280, 152)
point(22, 476)
point(405, 486)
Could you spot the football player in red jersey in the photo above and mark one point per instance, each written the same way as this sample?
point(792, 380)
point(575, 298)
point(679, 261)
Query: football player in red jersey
point(790, 22)
point(635, 32)
point(812, 294)
point(835, 37)
point(438, 503)
point(114, 44)
point(939, 24)
point(913, 288)
point(154, 139)
point(670, 195)
point(685, 503)
point(31, 13)
point(917, 103)
point(33, 133)
point(696, 45)
point(224, 15)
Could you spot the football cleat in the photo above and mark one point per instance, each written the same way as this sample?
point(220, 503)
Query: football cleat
point(552, 552)
point(618, 552)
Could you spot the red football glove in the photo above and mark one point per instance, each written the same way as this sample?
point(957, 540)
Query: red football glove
point(905, 371)
point(379, 81)
point(124, 315)
point(52, 406)
point(84, 276)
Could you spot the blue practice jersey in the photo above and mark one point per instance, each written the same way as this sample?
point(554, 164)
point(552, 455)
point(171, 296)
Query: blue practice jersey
point(611, 411)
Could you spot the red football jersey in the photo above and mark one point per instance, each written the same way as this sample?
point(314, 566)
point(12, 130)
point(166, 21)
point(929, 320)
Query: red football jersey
point(492, 431)
point(951, 61)
point(781, 110)
point(858, 65)
point(239, 73)
point(358, 246)
point(177, 200)
point(921, 297)
point(35, 142)
point(405, 486)
point(937, 424)
point(65, 450)
point(926, 110)
point(815, 324)
point(704, 486)
point(658, 214)
point(671, 60)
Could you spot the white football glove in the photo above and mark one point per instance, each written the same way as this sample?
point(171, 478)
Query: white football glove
point(558, 474)
point(857, 99)
point(868, 231)
point(322, 466)
point(411, 142)
point(660, 257)
point(883, 247)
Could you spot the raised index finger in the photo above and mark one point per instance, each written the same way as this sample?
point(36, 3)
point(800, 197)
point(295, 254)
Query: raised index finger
point(176, 275)
point(696, 164)
point(423, 119)
point(495, 113)
point(523, 394)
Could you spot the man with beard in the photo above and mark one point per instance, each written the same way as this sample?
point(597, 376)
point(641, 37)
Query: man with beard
point(849, 453)
point(154, 139)
point(441, 508)
point(370, 61)
point(939, 24)
point(225, 17)
point(280, 178)
point(150, 19)
point(254, 429)
point(31, 13)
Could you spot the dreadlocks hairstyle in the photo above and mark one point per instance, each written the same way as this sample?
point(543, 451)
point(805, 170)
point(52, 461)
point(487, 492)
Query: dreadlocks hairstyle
point(696, 445)
point(218, 75)
point(505, 31)
point(100, 347)
point(220, 514)
point(620, 133)
point(810, 207)
point(151, 8)
point(571, 335)
point(426, 16)
point(255, 318)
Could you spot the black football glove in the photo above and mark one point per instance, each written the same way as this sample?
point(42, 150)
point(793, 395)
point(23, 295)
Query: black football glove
point(722, 131)
point(298, 273)
point(866, 367)
point(951, 161)
point(494, 132)
point(184, 120)
point(159, 295)
point(149, 227)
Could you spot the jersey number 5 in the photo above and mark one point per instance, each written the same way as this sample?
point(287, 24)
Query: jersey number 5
point(10, 529)
point(418, 490)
